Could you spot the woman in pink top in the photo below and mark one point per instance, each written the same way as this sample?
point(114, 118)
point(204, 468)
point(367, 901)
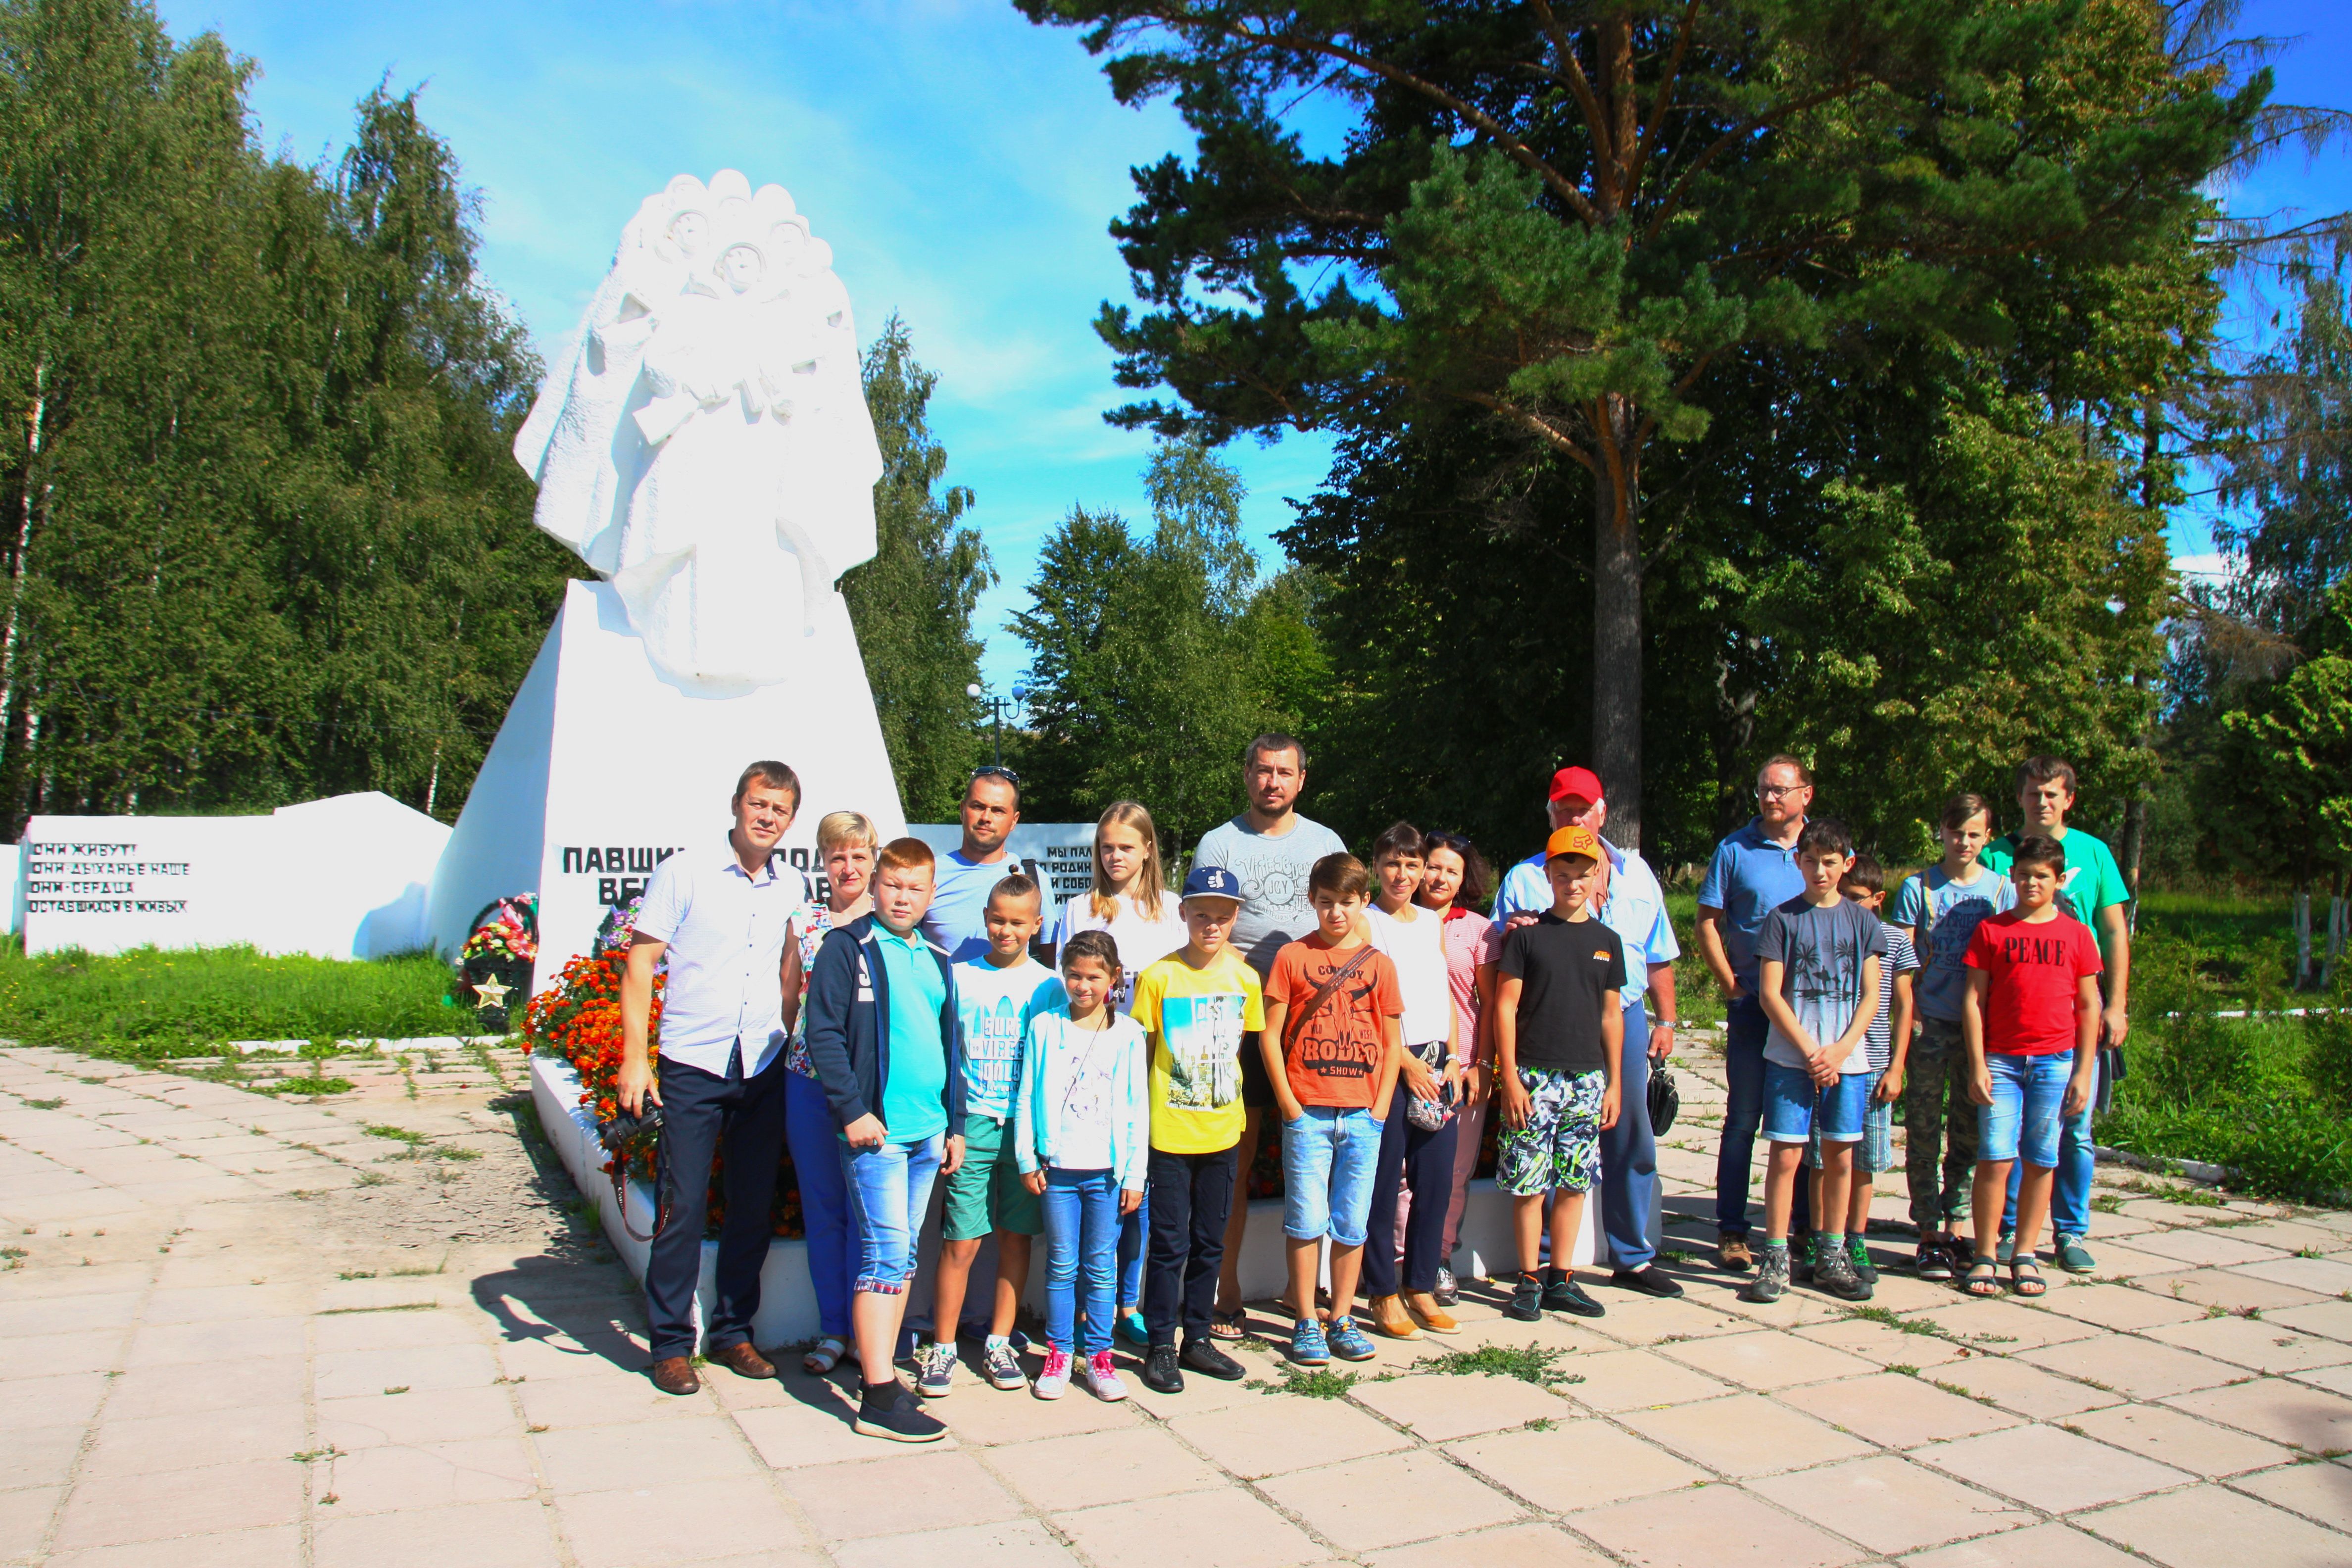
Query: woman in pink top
point(1454, 881)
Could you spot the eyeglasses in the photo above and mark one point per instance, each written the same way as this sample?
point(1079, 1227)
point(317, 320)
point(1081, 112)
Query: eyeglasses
point(1776, 792)
point(996, 771)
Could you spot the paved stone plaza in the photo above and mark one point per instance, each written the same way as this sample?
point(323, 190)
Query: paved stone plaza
point(247, 1333)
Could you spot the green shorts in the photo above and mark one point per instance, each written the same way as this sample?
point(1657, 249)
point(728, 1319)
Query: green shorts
point(985, 1194)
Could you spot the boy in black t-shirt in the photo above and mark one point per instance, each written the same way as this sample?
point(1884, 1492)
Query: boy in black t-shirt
point(1558, 1030)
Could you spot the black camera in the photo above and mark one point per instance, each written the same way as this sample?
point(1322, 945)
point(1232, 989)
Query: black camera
point(625, 1131)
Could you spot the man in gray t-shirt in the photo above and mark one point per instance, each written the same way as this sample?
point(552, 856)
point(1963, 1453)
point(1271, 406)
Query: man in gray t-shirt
point(1271, 848)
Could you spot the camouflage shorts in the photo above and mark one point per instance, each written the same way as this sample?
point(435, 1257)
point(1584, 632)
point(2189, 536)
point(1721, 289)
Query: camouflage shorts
point(1560, 1148)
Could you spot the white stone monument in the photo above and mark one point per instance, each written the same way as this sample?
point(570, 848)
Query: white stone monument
point(703, 445)
point(341, 877)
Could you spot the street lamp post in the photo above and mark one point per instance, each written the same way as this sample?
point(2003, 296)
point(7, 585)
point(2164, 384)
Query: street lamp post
point(996, 706)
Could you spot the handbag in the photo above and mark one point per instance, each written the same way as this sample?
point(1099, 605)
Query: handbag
point(1666, 1100)
point(1429, 1115)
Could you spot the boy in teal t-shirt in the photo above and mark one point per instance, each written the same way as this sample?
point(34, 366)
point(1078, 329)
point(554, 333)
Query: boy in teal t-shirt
point(2091, 890)
point(997, 994)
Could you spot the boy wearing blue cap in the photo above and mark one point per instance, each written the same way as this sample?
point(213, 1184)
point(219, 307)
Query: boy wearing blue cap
point(1196, 1005)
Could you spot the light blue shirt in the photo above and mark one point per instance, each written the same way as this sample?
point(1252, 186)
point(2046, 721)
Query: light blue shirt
point(1634, 908)
point(958, 917)
point(1749, 876)
point(725, 932)
point(914, 1097)
point(995, 1006)
point(1950, 911)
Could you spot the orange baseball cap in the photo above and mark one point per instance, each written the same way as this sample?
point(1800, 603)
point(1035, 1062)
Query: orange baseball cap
point(1572, 841)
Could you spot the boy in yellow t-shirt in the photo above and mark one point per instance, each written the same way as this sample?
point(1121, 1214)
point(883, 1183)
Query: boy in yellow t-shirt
point(1197, 1005)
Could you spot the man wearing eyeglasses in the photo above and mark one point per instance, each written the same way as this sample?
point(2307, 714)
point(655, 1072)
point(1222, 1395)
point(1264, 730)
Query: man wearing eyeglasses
point(958, 920)
point(1753, 872)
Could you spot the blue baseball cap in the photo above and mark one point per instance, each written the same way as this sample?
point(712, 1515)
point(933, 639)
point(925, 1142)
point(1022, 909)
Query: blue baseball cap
point(1212, 883)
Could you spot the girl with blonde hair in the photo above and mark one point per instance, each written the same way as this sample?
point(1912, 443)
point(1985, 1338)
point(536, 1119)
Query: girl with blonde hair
point(1130, 900)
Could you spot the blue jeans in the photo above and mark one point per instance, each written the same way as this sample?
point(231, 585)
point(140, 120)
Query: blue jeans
point(2078, 1163)
point(1134, 1242)
point(814, 1139)
point(1629, 1154)
point(2021, 1124)
point(889, 1188)
point(1081, 1237)
point(1743, 1113)
point(1329, 1157)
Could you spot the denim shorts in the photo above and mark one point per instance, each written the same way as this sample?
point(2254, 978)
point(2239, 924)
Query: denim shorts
point(890, 1190)
point(1794, 1105)
point(2028, 1094)
point(1329, 1156)
point(1877, 1150)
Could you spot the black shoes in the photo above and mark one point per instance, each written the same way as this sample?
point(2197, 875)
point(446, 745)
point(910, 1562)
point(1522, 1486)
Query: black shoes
point(1649, 1279)
point(1159, 1372)
point(1527, 1303)
point(1561, 1293)
point(888, 1410)
point(1204, 1357)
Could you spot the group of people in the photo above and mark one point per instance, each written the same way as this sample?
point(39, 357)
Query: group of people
point(897, 1031)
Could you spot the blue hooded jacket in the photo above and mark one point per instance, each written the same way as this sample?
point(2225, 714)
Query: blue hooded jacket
point(847, 1016)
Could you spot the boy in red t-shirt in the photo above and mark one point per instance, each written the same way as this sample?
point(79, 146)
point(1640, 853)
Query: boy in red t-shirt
point(1334, 1042)
point(2031, 1023)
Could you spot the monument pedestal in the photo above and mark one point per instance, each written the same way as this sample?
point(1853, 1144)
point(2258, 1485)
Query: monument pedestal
point(604, 767)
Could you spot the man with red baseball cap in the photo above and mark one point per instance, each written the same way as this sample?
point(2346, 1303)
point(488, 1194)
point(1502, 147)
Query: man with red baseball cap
point(1628, 900)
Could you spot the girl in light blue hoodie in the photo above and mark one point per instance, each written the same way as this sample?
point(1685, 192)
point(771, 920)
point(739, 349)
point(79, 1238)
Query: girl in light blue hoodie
point(1082, 1138)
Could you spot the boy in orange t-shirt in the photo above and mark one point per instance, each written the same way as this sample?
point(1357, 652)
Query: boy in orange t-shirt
point(1334, 1042)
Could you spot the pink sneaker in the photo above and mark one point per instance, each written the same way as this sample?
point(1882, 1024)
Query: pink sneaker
point(1054, 1380)
point(1103, 1377)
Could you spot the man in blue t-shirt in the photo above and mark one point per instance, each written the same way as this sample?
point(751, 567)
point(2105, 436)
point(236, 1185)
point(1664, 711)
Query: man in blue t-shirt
point(1753, 872)
point(958, 917)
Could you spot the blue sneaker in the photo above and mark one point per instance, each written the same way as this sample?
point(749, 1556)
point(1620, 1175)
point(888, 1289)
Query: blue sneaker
point(1350, 1343)
point(1131, 1328)
point(1307, 1346)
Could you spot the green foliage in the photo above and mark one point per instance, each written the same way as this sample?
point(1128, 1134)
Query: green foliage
point(263, 539)
point(153, 1003)
point(2282, 770)
point(1153, 660)
point(1621, 241)
point(912, 603)
point(2269, 1096)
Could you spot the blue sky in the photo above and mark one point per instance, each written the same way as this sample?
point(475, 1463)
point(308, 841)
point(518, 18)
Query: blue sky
point(962, 163)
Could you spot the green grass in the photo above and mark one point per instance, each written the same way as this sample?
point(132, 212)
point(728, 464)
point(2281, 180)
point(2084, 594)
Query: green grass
point(310, 1085)
point(153, 1004)
point(1320, 1382)
point(1537, 1364)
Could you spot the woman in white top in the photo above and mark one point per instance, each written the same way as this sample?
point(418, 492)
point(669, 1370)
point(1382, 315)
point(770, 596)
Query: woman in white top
point(1418, 1139)
point(1455, 885)
point(1131, 901)
point(846, 842)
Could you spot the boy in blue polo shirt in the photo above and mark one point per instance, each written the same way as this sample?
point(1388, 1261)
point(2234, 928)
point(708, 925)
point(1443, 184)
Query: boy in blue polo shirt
point(885, 1040)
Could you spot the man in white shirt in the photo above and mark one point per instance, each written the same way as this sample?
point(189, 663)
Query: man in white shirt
point(726, 920)
point(1628, 901)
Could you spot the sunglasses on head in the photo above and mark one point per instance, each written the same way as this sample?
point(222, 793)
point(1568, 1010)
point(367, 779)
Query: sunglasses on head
point(996, 771)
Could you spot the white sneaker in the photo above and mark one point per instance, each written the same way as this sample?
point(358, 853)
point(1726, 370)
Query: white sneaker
point(1054, 1380)
point(1103, 1378)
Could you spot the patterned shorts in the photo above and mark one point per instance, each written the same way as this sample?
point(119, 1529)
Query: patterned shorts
point(1560, 1148)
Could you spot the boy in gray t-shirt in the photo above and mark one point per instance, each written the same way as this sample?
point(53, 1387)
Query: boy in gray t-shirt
point(1817, 966)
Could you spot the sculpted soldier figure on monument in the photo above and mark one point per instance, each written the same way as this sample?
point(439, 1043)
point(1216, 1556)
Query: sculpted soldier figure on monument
point(705, 445)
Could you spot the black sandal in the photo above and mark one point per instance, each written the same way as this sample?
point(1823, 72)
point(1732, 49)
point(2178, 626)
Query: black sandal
point(1983, 1278)
point(2024, 1284)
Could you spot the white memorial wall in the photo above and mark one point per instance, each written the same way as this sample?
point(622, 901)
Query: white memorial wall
point(342, 877)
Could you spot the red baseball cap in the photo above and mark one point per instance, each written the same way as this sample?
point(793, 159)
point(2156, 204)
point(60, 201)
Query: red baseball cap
point(1581, 782)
